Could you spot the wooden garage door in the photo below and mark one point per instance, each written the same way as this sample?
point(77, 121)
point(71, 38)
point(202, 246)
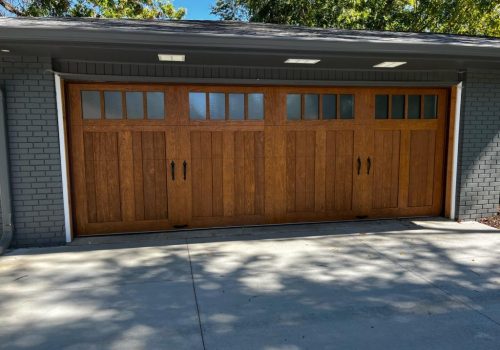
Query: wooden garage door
point(156, 157)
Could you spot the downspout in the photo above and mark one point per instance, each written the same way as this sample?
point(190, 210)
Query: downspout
point(5, 203)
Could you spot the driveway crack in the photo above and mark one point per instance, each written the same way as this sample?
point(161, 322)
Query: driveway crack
point(195, 297)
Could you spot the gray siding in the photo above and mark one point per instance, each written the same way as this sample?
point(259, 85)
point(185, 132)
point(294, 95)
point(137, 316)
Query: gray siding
point(33, 150)
point(480, 153)
point(1, 222)
point(247, 73)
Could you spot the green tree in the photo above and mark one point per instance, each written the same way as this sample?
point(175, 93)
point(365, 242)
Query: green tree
point(147, 9)
point(473, 17)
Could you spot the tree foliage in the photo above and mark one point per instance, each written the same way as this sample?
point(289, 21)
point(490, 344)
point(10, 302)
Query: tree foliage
point(473, 17)
point(146, 9)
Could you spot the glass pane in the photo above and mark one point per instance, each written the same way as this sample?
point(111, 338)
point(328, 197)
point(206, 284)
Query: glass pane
point(293, 106)
point(346, 106)
point(135, 106)
point(430, 106)
point(91, 105)
point(329, 106)
point(398, 107)
point(381, 106)
point(156, 104)
point(237, 106)
point(256, 106)
point(217, 105)
point(197, 106)
point(113, 105)
point(311, 110)
point(414, 107)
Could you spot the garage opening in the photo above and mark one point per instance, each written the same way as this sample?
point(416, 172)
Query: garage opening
point(154, 157)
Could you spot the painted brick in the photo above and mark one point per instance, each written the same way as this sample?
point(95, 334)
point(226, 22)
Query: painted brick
point(480, 146)
point(33, 150)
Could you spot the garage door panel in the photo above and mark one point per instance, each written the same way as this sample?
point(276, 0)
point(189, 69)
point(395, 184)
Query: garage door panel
point(385, 164)
point(422, 162)
point(301, 154)
point(228, 173)
point(339, 170)
point(102, 177)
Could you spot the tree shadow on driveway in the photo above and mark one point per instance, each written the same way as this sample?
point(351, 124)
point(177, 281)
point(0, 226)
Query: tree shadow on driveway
point(412, 286)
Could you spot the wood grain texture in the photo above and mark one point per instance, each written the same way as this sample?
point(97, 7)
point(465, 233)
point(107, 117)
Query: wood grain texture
point(251, 172)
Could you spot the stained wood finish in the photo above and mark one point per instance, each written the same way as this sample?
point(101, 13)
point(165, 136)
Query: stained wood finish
point(251, 172)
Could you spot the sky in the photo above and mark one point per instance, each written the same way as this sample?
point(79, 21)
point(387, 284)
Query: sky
point(196, 9)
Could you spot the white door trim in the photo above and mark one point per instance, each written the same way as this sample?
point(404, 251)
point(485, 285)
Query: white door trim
point(456, 142)
point(63, 155)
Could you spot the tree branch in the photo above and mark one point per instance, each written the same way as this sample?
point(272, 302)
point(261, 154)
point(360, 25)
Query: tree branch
point(11, 8)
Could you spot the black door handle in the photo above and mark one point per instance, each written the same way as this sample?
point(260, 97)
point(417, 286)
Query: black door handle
point(184, 166)
point(369, 165)
point(172, 168)
point(359, 165)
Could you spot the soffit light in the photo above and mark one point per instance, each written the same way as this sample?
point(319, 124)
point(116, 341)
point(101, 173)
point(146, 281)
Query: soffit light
point(171, 58)
point(302, 61)
point(389, 64)
point(5, 50)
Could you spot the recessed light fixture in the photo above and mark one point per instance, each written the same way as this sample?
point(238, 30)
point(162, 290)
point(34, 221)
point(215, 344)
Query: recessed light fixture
point(171, 58)
point(5, 50)
point(389, 64)
point(302, 61)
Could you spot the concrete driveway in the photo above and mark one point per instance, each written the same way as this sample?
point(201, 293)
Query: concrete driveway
point(397, 284)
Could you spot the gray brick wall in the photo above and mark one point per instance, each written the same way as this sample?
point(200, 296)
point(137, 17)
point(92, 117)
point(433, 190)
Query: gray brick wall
point(1, 222)
point(33, 150)
point(480, 146)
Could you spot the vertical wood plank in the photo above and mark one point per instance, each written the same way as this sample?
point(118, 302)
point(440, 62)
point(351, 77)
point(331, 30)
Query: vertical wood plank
point(228, 173)
point(320, 171)
point(196, 169)
point(101, 177)
point(344, 147)
point(239, 173)
point(291, 171)
point(249, 173)
point(90, 164)
point(300, 170)
point(126, 163)
point(149, 175)
point(330, 169)
point(138, 175)
point(113, 177)
point(259, 173)
point(160, 176)
point(310, 178)
point(217, 174)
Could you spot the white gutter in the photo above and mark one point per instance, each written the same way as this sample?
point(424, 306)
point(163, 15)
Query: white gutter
point(63, 155)
point(456, 135)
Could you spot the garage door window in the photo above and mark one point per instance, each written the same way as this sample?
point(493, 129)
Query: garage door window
point(113, 105)
point(226, 106)
point(346, 106)
point(395, 106)
point(135, 105)
point(329, 106)
point(430, 106)
point(91, 105)
point(155, 105)
point(256, 106)
point(319, 107)
point(236, 106)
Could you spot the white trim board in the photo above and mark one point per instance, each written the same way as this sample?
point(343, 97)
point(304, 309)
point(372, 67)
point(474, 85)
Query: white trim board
point(62, 150)
point(456, 141)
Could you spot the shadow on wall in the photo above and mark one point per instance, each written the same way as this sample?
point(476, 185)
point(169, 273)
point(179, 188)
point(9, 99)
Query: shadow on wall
point(284, 293)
